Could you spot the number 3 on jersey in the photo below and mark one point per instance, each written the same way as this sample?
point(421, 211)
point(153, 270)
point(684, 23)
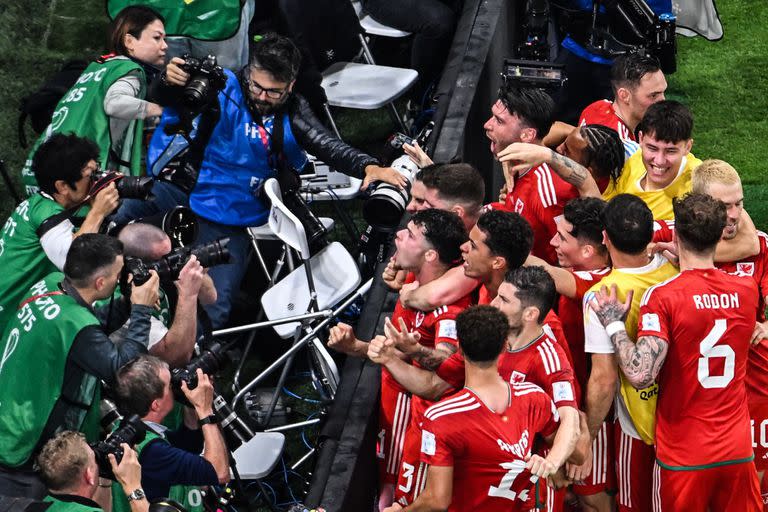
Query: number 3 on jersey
point(709, 349)
point(504, 490)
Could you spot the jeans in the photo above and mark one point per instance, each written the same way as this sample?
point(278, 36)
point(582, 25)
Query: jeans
point(226, 278)
point(432, 23)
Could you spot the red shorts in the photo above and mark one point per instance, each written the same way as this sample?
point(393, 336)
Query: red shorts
point(731, 487)
point(394, 418)
point(758, 412)
point(634, 471)
point(603, 475)
point(413, 472)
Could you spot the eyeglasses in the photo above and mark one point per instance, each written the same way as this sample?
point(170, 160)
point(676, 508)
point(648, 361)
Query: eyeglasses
point(256, 89)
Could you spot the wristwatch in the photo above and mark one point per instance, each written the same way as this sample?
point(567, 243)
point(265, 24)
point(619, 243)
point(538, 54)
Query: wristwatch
point(209, 420)
point(138, 494)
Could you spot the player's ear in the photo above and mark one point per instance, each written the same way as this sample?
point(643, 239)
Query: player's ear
point(531, 314)
point(431, 256)
point(498, 262)
point(528, 134)
point(623, 94)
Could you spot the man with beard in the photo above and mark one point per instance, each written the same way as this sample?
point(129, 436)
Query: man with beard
point(254, 128)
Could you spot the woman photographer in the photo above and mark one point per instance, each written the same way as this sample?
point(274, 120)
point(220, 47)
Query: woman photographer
point(106, 104)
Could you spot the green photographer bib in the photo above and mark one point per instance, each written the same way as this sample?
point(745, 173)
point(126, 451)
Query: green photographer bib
point(81, 111)
point(190, 496)
point(57, 505)
point(33, 354)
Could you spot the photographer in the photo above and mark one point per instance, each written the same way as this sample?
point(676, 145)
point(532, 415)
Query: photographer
point(169, 460)
point(36, 237)
point(55, 351)
point(69, 470)
point(259, 128)
point(171, 337)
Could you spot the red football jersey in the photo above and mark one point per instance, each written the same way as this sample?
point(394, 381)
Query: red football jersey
point(755, 267)
point(601, 112)
point(540, 196)
point(541, 362)
point(663, 230)
point(487, 450)
point(571, 315)
point(707, 317)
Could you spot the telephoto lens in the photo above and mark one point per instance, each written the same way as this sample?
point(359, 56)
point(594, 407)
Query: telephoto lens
point(386, 204)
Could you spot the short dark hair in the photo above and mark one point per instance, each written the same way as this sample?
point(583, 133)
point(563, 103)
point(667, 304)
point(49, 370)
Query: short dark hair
point(605, 150)
point(585, 215)
point(628, 223)
point(131, 20)
point(444, 231)
point(62, 157)
point(699, 221)
point(482, 333)
point(277, 55)
point(62, 459)
point(458, 183)
point(667, 120)
point(138, 384)
point(535, 287)
point(508, 235)
point(534, 107)
point(88, 257)
point(628, 70)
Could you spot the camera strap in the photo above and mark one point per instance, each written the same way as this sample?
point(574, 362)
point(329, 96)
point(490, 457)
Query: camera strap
point(54, 220)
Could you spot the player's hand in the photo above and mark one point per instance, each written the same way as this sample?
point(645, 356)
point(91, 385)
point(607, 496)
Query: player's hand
point(539, 466)
point(417, 155)
point(760, 333)
point(667, 249)
point(504, 190)
point(381, 350)
point(579, 473)
point(607, 307)
point(201, 398)
point(406, 292)
point(190, 278)
point(405, 340)
point(385, 174)
point(174, 75)
point(392, 276)
point(342, 337)
point(106, 200)
point(558, 480)
point(395, 507)
point(128, 472)
point(521, 156)
point(148, 294)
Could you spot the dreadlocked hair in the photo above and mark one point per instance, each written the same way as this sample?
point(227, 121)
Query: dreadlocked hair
point(606, 150)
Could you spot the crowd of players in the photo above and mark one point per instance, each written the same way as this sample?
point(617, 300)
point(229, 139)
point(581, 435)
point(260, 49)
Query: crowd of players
point(622, 360)
point(595, 333)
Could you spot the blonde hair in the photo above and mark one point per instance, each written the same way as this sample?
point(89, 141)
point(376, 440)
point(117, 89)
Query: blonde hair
point(713, 171)
point(62, 459)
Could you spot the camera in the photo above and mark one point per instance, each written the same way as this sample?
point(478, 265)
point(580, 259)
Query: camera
point(130, 432)
point(290, 182)
point(210, 361)
point(386, 204)
point(128, 187)
point(206, 79)
point(398, 139)
point(169, 266)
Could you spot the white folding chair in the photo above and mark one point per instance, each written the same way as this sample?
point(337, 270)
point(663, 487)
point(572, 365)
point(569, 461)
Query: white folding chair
point(373, 27)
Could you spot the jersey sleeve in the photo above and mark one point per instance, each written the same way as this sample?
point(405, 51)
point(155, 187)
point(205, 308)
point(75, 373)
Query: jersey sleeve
point(452, 370)
point(653, 319)
point(663, 230)
point(439, 443)
point(584, 281)
point(596, 340)
point(559, 380)
point(543, 414)
point(445, 326)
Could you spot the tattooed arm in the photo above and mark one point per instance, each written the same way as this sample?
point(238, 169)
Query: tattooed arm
point(641, 361)
point(523, 156)
point(432, 358)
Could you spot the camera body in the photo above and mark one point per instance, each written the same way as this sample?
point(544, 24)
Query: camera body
point(131, 431)
point(206, 78)
point(169, 266)
point(210, 361)
point(128, 187)
point(398, 139)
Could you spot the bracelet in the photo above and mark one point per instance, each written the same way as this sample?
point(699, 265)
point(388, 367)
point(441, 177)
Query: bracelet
point(614, 327)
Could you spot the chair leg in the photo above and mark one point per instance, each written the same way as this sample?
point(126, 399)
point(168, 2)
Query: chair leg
point(396, 117)
point(367, 55)
point(330, 118)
